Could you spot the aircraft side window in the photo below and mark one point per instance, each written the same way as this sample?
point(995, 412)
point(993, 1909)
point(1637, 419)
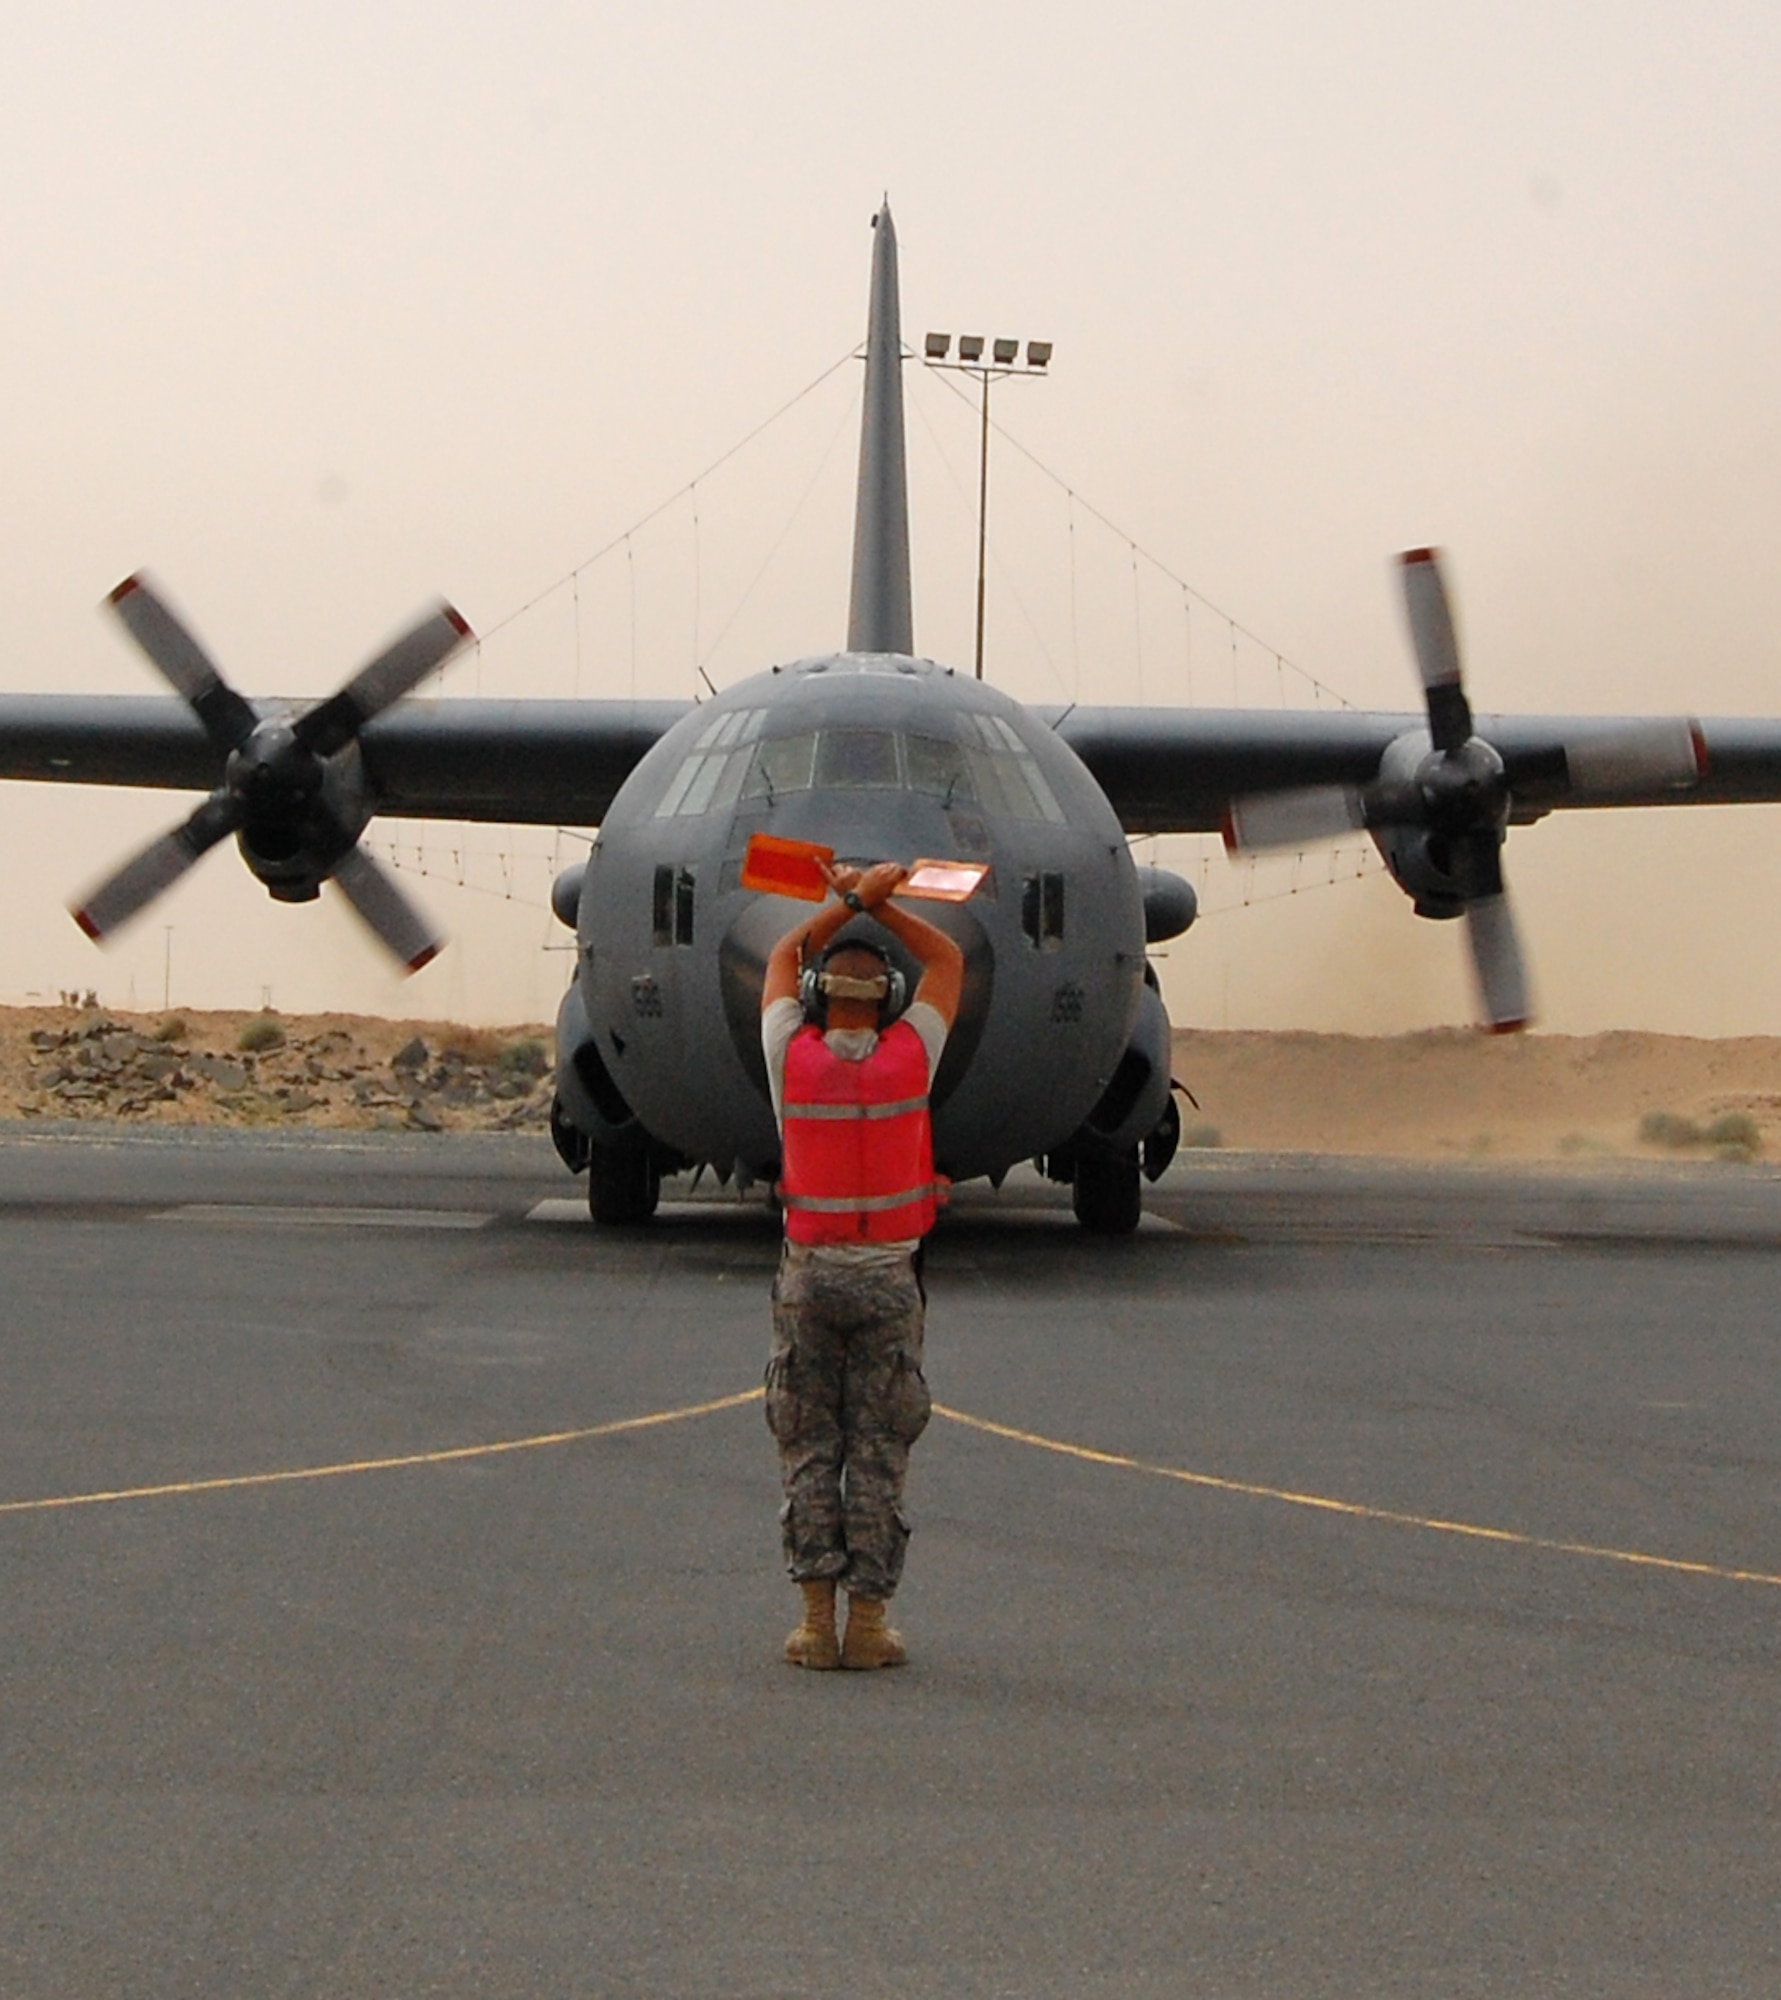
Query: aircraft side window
point(934, 765)
point(857, 759)
point(1008, 774)
point(1042, 909)
point(781, 764)
point(678, 787)
point(671, 909)
point(713, 772)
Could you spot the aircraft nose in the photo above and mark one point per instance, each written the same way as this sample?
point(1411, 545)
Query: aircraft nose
point(764, 920)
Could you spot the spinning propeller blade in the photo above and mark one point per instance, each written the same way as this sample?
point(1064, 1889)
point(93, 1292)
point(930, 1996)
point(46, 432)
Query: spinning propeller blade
point(389, 915)
point(228, 720)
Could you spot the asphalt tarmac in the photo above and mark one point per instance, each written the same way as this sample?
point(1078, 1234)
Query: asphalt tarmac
point(1370, 1586)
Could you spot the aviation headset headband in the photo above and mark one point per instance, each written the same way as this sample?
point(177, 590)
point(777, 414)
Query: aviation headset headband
point(816, 983)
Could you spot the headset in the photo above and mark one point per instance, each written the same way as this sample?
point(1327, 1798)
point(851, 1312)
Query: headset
point(813, 982)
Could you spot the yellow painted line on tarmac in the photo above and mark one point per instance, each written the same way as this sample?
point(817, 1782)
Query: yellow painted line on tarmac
point(1355, 1510)
point(617, 1428)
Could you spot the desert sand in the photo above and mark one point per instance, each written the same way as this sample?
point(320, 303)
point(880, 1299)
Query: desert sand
point(1445, 1094)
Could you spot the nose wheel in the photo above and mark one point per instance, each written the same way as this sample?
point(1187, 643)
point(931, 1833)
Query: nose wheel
point(1105, 1191)
point(623, 1185)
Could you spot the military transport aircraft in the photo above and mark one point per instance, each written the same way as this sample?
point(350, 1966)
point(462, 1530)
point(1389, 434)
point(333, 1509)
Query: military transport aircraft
point(1061, 1052)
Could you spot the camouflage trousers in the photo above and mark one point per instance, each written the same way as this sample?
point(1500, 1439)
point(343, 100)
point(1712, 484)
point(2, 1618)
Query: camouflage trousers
point(845, 1400)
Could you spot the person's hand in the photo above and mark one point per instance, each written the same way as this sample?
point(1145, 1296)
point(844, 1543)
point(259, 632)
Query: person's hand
point(880, 883)
point(841, 879)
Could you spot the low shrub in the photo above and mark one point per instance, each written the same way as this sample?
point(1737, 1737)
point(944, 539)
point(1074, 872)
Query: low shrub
point(260, 1034)
point(529, 1059)
point(1735, 1135)
point(172, 1029)
point(1666, 1128)
point(479, 1046)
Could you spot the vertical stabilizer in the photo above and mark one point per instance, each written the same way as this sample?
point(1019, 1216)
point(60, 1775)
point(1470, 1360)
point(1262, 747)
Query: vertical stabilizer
point(879, 618)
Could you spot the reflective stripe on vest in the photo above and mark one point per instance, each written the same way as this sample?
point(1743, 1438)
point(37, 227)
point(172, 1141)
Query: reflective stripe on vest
point(859, 1161)
point(855, 1204)
point(902, 1106)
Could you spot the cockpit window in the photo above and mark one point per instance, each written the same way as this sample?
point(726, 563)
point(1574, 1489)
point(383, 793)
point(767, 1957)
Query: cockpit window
point(991, 767)
point(781, 764)
point(934, 765)
point(857, 760)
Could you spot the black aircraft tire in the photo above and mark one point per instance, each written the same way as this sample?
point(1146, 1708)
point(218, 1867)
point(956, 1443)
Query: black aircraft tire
point(1106, 1194)
point(623, 1186)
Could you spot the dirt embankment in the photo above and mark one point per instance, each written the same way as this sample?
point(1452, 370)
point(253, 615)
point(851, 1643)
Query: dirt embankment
point(339, 1070)
point(1446, 1094)
point(1457, 1093)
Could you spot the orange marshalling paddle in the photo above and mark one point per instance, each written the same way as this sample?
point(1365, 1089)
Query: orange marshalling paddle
point(783, 867)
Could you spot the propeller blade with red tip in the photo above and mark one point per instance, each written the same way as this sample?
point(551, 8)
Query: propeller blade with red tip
point(401, 666)
point(1498, 964)
point(228, 718)
point(398, 926)
point(1436, 645)
point(146, 875)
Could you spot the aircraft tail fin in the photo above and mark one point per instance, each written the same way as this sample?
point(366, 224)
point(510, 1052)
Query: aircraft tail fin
point(880, 618)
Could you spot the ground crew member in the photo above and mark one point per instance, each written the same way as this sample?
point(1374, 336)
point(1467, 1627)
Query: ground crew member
point(845, 1393)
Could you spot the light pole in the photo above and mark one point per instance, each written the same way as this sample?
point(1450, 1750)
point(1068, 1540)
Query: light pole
point(1002, 359)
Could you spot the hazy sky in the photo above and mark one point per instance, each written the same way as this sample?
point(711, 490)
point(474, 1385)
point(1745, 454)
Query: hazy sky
point(319, 312)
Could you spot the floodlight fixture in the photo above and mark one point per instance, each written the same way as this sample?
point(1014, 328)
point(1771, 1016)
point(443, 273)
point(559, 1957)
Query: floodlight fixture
point(970, 347)
point(937, 345)
point(1038, 353)
point(1005, 351)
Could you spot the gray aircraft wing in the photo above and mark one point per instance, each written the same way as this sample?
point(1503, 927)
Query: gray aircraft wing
point(1165, 770)
point(523, 762)
point(1171, 770)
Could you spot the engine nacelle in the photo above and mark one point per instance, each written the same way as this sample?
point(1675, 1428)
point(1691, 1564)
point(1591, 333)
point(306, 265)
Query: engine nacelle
point(1421, 867)
point(1455, 797)
point(303, 813)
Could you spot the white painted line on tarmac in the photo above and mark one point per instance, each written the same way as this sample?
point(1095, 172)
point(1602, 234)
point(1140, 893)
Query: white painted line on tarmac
point(559, 1208)
point(255, 1216)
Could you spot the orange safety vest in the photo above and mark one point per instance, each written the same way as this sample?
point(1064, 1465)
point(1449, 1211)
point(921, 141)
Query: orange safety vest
point(859, 1151)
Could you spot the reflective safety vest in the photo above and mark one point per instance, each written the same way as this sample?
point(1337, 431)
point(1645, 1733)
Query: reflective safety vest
point(859, 1152)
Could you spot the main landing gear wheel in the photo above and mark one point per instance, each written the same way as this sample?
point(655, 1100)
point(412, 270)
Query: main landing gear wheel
point(623, 1185)
point(1105, 1192)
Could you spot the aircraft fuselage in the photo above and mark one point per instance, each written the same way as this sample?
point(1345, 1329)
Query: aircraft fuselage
point(880, 757)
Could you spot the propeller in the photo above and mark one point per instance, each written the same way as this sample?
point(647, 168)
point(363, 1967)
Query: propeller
point(292, 790)
point(1456, 794)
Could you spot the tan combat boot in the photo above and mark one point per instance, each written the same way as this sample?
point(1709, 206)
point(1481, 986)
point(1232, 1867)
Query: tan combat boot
point(870, 1642)
point(814, 1644)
